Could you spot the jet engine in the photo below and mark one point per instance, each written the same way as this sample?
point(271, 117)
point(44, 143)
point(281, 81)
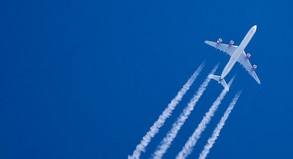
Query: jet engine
point(219, 40)
point(248, 56)
point(231, 42)
point(254, 67)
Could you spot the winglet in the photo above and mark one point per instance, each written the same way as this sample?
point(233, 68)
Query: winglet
point(222, 81)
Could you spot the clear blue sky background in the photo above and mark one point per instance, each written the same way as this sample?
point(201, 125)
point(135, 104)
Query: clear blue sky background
point(86, 79)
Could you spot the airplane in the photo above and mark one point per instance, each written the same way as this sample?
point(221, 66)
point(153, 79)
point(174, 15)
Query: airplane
point(236, 53)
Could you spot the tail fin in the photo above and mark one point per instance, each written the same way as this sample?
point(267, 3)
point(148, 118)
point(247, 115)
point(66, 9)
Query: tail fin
point(222, 81)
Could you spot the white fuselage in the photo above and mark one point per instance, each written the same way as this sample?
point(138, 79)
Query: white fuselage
point(234, 57)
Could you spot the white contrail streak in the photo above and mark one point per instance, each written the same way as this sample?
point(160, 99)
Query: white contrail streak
point(188, 147)
point(166, 113)
point(217, 130)
point(166, 142)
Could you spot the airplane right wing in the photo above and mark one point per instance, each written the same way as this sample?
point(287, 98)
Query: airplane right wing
point(244, 61)
point(227, 48)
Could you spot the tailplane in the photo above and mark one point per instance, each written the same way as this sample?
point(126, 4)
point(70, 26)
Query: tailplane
point(222, 81)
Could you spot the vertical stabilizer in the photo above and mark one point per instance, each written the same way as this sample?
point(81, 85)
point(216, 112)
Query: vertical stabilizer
point(222, 81)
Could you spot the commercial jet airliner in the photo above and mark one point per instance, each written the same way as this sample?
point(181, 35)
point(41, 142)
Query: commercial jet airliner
point(236, 54)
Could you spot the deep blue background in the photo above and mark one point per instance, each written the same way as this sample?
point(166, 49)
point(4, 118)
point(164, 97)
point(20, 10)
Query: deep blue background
point(86, 79)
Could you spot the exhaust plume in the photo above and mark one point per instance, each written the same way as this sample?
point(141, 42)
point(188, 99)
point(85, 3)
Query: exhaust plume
point(217, 130)
point(166, 113)
point(188, 147)
point(166, 142)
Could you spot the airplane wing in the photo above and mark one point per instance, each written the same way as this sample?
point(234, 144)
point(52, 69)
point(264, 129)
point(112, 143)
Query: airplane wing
point(229, 49)
point(244, 61)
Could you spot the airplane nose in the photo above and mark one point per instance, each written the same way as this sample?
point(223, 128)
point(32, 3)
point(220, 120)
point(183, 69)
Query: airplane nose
point(254, 27)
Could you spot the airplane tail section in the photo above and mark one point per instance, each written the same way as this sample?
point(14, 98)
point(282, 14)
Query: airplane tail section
point(222, 81)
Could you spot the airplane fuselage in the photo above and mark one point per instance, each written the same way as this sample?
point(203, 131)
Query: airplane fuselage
point(235, 56)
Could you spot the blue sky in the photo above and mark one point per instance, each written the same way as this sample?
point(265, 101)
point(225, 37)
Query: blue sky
point(86, 79)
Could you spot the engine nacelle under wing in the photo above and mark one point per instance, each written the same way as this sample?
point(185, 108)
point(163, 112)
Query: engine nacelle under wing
point(231, 42)
point(219, 41)
point(254, 67)
point(248, 55)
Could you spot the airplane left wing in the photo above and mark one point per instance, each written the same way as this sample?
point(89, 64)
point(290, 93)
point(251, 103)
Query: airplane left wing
point(227, 48)
point(244, 61)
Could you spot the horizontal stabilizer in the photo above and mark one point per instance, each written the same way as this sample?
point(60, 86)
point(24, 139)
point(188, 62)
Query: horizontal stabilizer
point(222, 81)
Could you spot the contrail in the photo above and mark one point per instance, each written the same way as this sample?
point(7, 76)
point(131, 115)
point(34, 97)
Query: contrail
point(188, 147)
point(166, 142)
point(166, 113)
point(217, 130)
